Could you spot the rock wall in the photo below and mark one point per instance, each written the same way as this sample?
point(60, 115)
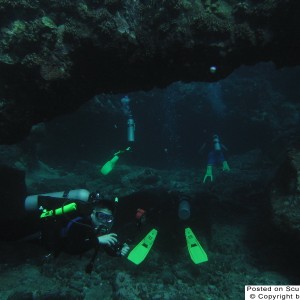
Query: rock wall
point(285, 195)
point(55, 55)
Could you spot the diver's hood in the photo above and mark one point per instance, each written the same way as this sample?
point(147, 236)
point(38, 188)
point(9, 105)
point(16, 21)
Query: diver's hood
point(97, 199)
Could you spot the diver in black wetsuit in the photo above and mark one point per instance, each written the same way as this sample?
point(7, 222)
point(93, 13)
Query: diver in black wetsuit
point(74, 232)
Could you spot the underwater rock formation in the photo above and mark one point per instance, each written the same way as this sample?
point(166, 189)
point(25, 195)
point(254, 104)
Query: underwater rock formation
point(285, 194)
point(55, 55)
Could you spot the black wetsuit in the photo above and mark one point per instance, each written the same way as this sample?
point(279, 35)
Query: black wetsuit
point(79, 236)
point(73, 236)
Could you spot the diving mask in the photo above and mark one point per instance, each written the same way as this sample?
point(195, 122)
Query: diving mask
point(104, 217)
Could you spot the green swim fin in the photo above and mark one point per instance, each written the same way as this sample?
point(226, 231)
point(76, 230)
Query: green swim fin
point(141, 250)
point(197, 253)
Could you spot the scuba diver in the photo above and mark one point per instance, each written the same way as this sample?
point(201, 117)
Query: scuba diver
point(81, 222)
point(126, 109)
point(215, 157)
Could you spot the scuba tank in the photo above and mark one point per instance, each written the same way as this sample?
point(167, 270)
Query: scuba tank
point(130, 129)
point(130, 121)
point(217, 143)
point(184, 210)
point(32, 202)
